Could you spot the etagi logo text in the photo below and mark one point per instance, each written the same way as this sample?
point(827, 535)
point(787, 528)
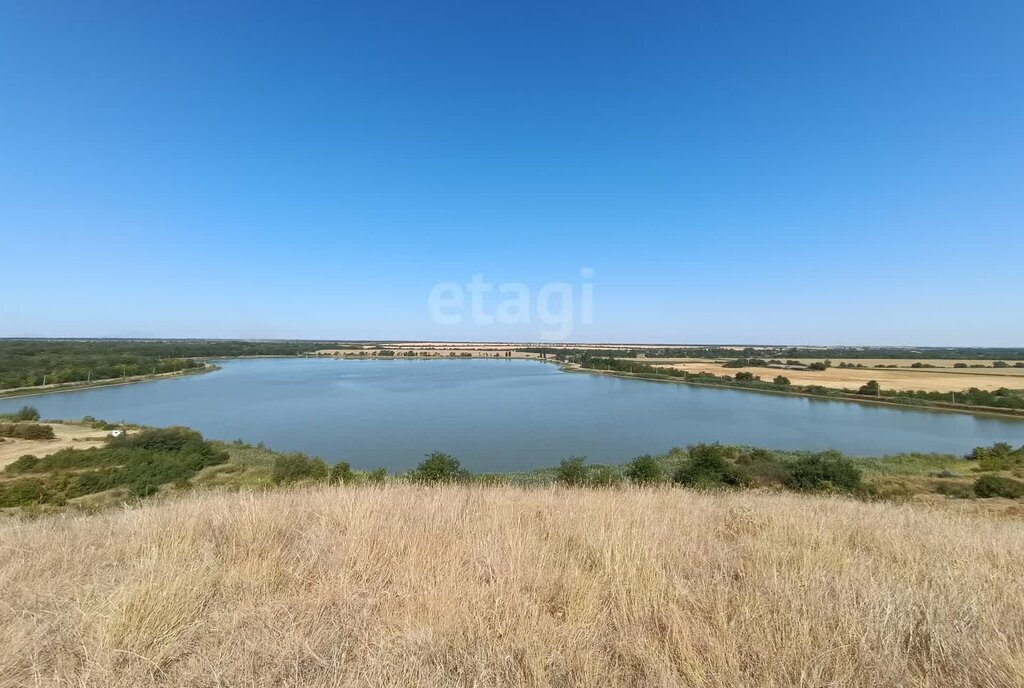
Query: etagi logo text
point(554, 305)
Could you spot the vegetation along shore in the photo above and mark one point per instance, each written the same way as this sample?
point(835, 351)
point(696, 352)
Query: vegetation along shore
point(233, 564)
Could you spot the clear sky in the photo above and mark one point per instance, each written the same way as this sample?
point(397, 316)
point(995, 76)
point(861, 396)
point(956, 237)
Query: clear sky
point(755, 172)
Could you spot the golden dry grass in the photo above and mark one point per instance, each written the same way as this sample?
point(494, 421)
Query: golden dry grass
point(476, 586)
point(927, 379)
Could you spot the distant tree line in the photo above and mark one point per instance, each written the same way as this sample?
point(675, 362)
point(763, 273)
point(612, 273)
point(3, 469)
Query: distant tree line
point(33, 362)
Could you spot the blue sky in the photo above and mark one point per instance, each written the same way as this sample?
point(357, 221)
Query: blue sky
point(799, 172)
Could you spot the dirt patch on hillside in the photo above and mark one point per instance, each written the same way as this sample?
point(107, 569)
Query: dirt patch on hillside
point(68, 435)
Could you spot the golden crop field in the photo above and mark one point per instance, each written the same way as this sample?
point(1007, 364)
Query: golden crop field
point(928, 379)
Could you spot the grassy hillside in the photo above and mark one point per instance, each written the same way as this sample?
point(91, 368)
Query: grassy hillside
point(499, 586)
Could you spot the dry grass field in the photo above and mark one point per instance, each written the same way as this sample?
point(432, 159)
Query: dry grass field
point(927, 379)
point(940, 363)
point(477, 586)
point(68, 435)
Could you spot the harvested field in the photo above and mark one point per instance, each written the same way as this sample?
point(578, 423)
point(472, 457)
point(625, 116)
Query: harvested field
point(928, 379)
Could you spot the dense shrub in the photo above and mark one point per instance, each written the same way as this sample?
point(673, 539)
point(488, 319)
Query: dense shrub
point(825, 471)
point(138, 465)
point(22, 414)
point(644, 470)
point(571, 471)
point(439, 467)
point(763, 467)
point(27, 431)
point(706, 465)
point(161, 439)
point(377, 476)
point(871, 388)
point(290, 468)
point(604, 476)
point(954, 489)
point(781, 380)
point(998, 486)
point(21, 492)
point(999, 457)
point(22, 464)
point(341, 472)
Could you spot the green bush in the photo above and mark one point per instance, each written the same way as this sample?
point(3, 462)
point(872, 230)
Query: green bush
point(27, 431)
point(825, 471)
point(954, 489)
point(572, 471)
point(439, 467)
point(998, 486)
point(781, 380)
point(706, 465)
point(22, 464)
point(999, 457)
point(23, 492)
point(763, 467)
point(605, 476)
point(341, 472)
point(26, 413)
point(290, 468)
point(377, 476)
point(171, 439)
point(872, 388)
point(644, 470)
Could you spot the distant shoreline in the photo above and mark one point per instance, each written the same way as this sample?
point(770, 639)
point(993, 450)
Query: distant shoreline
point(19, 392)
point(986, 411)
point(22, 392)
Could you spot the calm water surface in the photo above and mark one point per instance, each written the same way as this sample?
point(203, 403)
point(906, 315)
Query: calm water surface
point(498, 415)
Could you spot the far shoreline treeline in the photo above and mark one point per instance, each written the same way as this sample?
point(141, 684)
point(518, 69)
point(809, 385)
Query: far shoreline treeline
point(32, 366)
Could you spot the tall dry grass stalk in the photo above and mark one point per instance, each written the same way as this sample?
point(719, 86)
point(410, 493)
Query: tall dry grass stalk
point(475, 586)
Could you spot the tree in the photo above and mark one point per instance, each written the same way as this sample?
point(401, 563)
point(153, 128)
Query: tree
point(998, 486)
point(27, 413)
point(706, 466)
point(571, 471)
point(872, 387)
point(605, 476)
point(289, 468)
point(439, 467)
point(827, 470)
point(341, 472)
point(644, 470)
point(781, 380)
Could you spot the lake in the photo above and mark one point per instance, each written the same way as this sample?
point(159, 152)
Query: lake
point(501, 415)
